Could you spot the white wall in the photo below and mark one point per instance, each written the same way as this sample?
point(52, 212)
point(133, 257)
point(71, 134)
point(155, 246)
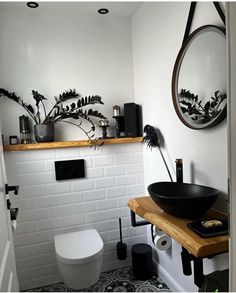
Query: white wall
point(54, 48)
point(48, 207)
point(157, 31)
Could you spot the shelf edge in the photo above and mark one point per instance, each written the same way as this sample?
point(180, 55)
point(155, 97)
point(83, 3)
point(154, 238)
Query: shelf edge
point(70, 144)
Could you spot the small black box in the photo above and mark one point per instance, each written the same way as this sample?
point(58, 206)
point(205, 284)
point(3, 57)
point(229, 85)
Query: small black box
point(132, 117)
point(69, 169)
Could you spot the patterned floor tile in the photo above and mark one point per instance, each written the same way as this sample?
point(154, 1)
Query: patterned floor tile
point(120, 280)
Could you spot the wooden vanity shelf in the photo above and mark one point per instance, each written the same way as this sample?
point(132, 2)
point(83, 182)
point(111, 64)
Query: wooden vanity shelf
point(69, 144)
point(194, 247)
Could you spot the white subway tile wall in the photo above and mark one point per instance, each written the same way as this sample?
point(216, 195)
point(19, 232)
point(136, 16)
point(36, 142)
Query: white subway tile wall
point(49, 207)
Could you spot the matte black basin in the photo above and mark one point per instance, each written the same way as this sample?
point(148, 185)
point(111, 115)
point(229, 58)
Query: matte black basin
point(183, 199)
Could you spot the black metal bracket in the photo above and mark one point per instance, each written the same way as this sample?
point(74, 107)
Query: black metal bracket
point(8, 204)
point(191, 14)
point(133, 220)
point(197, 266)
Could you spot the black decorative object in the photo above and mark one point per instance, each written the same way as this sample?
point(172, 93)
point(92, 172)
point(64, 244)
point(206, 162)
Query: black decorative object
point(104, 124)
point(71, 169)
point(121, 248)
point(25, 134)
point(132, 120)
point(13, 139)
point(151, 137)
point(152, 141)
point(197, 227)
point(60, 112)
point(119, 125)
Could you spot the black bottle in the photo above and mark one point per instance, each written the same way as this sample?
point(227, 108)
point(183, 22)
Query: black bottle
point(179, 170)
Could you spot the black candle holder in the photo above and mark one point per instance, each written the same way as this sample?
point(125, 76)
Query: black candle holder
point(104, 124)
point(119, 125)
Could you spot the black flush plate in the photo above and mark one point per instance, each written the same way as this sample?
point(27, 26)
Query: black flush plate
point(69, 169)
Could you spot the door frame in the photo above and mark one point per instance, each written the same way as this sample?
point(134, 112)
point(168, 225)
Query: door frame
point(231, 119)
point(8, 274)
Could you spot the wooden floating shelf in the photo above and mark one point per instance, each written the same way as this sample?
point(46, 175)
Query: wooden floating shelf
point(177, 228)
point(69, 144)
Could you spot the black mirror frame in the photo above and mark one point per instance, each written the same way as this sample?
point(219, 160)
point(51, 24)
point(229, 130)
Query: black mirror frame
point(175, 76)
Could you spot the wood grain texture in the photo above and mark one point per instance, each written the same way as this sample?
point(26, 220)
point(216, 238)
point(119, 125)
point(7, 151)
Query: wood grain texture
point(177, 228)
point(69, 144)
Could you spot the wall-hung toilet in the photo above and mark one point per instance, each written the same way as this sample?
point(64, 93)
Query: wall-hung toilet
point(79, 258)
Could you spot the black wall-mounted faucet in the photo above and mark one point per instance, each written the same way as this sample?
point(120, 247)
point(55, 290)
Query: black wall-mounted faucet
point(179, 170)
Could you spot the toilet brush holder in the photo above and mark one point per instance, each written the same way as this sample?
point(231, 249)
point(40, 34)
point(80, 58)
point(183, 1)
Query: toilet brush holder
point(121, 248)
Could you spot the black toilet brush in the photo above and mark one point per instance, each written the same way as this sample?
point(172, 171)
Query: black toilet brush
point(121, 248)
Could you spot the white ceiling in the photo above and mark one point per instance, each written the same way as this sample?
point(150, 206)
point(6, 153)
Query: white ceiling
point(118, 9)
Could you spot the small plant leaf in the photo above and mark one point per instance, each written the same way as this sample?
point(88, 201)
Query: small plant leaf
point(38, 97)
point(30, 108)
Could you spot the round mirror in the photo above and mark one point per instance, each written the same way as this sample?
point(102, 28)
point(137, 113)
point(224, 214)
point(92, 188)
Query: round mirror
point(199, 78)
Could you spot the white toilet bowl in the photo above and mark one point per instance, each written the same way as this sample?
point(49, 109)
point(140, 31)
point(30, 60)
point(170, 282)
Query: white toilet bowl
point(79, 258)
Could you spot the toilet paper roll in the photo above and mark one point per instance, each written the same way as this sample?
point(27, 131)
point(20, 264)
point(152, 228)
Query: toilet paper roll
point(162, 242)
point(13, 225)
point(157, 231)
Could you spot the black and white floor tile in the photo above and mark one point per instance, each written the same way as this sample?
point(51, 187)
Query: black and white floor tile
point(120, 280)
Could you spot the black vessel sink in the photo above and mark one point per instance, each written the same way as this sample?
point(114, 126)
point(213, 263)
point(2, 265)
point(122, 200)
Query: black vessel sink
point(183, 199)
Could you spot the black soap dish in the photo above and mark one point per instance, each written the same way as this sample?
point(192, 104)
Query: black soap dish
point(198, 228)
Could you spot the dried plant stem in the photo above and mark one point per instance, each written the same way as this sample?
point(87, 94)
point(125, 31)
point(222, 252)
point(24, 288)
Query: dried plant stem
point(163, 158)
point(92, 140)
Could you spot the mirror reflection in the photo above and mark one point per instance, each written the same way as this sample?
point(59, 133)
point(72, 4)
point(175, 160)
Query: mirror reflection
point(199, 79)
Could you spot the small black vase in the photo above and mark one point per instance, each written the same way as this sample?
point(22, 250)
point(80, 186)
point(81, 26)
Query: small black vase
point(44, 132)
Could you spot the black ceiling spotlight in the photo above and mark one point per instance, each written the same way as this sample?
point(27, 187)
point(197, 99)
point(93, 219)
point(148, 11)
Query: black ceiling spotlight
point(32, 4)
point(103, 10)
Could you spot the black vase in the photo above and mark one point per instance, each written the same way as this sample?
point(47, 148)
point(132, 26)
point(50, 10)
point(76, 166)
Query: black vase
point(44, 132)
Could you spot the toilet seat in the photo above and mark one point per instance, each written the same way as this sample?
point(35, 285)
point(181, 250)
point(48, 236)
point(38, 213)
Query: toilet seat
point(78, 247)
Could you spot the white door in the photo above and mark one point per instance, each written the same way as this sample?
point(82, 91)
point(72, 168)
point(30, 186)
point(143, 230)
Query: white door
point(8, 277)
point(231, 43)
